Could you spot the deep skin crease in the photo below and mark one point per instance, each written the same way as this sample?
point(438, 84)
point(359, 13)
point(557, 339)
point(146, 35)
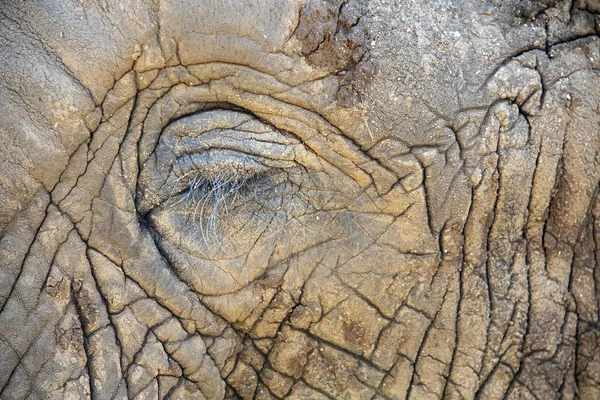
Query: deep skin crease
point(299, 199)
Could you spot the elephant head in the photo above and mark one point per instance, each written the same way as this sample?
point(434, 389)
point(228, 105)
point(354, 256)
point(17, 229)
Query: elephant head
point(299, 199)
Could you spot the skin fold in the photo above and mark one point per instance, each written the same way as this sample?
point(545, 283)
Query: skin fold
point(312, 199)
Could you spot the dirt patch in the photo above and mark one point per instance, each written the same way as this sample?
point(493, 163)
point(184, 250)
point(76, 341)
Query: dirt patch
point(333, 36)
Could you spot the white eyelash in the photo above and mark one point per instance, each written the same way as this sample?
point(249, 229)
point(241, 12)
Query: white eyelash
point(209, 198)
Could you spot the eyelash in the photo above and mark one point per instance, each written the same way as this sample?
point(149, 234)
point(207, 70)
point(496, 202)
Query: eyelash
point(216, 192)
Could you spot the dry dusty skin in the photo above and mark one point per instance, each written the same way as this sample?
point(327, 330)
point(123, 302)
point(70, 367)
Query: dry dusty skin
point(317, 199)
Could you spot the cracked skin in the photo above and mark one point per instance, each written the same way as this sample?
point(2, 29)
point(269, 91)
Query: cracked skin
point(303, 199)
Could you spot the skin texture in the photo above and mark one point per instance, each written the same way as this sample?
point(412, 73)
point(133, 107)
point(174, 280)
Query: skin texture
point(299, 199)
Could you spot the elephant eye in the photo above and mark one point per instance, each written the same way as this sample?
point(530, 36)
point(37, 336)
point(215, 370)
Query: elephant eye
point(207, 161)
point(221, 191)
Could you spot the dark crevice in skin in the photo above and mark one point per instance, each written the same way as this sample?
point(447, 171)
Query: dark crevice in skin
point(293, 32)
point(139, 286)
point(570, 308)
point(461, 146)
point(520, 53)
point(41, 191)
point(457, 321)
point(235, 392)
point(25, 259)
point(108, 117)
point(321, 341)
point(379, 388)
point(144, 388)
point(316, 389)
point(85, 342)
point(587, 233)
point(265, 386)
point(85, 143)
point(489, 377)
point(382, 330)
point(110, 315)
point(134, 362)
point(528, 222)
point(135, 358)
point(287, 319)
point(260, 379)
point(172, 390)
point(511, 319)
point(415, 363)
point(72, 380)
point(89, 162)
point(266, 308)
point(31, 388)
point(51, 265)
point(495, 180)
point(438, 270)
point(428, 205)
point(380, 313)
point(526, 116)
point(528, 325)
point(417, 310)
point(545, 85)
point(558, 177)
point(501, 363)
point(12, 373)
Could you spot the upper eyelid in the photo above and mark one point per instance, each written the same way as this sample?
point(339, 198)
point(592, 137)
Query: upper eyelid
point(247, 144)
point(214, 120)
point(231, 129)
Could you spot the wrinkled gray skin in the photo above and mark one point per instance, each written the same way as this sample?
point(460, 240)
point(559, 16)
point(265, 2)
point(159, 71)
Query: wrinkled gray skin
point(279, 199)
